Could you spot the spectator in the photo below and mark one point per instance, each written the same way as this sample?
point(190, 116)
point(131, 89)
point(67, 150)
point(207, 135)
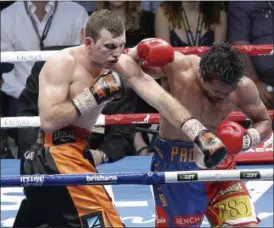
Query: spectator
point(151, 5)
point(191, 23)
point(145, 5)
point(5, 151)
point(90, 6)
point(139, 25)
point(5, 4)
point(115, 142)
point(252, 23)
point(29, 26)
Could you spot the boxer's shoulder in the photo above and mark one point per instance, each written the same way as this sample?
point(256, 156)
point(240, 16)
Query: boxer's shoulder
point(124, 58)
point(183, 62)
point(184, 67)
point(246, 86)
point(125, 64)
point(60, 60)
point(245, 82)
point(59, 67)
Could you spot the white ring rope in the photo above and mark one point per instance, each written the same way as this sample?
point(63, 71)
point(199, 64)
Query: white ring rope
point(33, 56)
point(136, 178)
point(103, 120)
point(23, 122)
point(29, 56)
point(33, 121)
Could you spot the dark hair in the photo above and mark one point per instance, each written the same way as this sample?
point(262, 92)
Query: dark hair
point(222, 63)
point(211, 12)
point(103, 19)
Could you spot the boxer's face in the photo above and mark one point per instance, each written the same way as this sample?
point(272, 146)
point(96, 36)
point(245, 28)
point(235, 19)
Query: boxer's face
point(216, 90)
point(106, 50)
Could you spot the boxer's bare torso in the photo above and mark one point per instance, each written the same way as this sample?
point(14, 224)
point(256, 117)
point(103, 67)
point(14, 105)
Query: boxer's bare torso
point(183, 83)
point(81, 78)
point(70, 72)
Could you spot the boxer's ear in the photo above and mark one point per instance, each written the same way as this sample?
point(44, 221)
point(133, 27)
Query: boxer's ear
point(88, 41)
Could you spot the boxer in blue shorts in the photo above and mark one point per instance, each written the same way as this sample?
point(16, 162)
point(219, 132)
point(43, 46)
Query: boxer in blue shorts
point(211, 87)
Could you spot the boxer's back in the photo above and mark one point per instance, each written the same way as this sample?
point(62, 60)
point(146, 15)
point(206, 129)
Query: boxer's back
point(73, 78)
point(183, 84)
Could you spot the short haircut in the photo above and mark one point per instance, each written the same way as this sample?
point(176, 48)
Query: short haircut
point(223, 63)
point(103, 19)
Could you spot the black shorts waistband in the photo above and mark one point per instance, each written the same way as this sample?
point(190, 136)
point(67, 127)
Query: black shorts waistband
point(66, 135)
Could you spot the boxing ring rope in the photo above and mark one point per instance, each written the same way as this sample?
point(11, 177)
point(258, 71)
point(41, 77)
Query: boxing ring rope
point(132, 178)
point(105, 120)
point(124, 119)
point(33, 56)
point(150, 178)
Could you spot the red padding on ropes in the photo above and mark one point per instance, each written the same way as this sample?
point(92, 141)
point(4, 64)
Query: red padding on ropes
point(251, 50)
point(141, 118)
point(153, 118)
point(262, 154)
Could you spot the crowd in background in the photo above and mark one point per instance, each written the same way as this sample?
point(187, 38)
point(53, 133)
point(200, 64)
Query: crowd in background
point(38, 25)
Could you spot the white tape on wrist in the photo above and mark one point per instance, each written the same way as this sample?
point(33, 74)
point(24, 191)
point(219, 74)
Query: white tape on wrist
point(192, 128)
point(255, 136)
point(84, 101)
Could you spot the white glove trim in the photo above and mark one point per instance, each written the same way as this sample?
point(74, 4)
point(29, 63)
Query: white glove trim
point(255, 136)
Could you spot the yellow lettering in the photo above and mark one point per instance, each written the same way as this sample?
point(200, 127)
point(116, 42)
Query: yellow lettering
point(183, 155)
point(163, 200)
point(174, 152)
point(191, 155)
point(235, 208)
point(186, 155)
point(159, 152)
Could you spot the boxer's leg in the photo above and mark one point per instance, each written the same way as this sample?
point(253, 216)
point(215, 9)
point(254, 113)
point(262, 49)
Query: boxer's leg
point(92, 204)
point(182, 204)
point(230, 205)
point(34, 209)
point(31, 213)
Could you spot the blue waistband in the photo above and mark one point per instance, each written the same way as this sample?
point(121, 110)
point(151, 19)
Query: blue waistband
point(173, 151)
point(167, 143)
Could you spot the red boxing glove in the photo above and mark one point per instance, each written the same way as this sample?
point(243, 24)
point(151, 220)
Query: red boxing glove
point(236, 138)
point(156, 52)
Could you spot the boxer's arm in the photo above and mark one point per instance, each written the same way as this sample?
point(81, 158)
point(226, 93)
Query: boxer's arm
point(55, 110)
point(159, 72)
point(154, 72)
point(152, 92)
point(152, 54)
point(251, 105)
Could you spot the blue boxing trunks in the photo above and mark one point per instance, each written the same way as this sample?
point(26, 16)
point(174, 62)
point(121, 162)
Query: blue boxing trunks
point(186, 204)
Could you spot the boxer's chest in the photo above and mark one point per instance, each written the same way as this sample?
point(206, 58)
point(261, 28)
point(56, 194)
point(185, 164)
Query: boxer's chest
point(211, 114)
point(201, 108)
point(207, 112)
point(82, 79)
